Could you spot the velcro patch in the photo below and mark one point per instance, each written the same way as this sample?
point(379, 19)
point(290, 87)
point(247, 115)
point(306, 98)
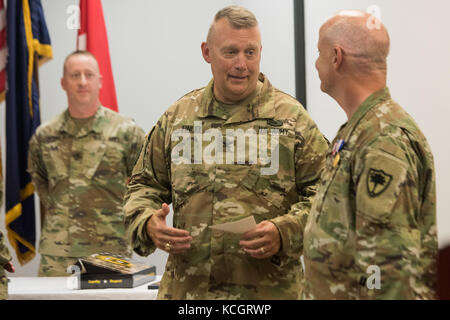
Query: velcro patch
point(377, 182)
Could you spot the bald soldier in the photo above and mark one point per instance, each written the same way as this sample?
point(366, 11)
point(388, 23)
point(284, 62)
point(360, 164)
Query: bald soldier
point(371, 233)
point(234, 149)
point(79, 163)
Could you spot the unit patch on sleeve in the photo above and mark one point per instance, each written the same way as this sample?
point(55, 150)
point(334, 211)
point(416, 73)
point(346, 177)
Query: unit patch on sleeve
point(377, 182)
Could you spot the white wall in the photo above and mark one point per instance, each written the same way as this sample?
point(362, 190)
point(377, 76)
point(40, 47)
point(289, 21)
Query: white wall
point(155, 52)
point(418, 76)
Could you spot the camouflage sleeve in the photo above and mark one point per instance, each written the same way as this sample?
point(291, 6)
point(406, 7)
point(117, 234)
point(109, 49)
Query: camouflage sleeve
point(37, 169)
point(1, 181)
point(135, 141)
point(5, 256)
point(396, 239)
point(310, 151)
point(148, 189)
point(4, 252)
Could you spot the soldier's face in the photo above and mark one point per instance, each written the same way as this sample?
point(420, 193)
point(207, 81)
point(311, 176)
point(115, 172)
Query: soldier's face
point(81, 81)
point(324, 64)
point(234, 55)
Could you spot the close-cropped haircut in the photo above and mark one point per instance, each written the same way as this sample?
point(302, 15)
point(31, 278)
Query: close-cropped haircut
point(238, 17)
point(76, 53)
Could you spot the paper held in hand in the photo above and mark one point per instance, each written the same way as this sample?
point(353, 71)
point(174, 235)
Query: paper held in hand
point(238, 227)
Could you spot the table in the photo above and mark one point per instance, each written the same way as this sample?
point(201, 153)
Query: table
point(59, 288)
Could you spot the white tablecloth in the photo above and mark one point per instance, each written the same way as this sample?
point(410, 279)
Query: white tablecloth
point(59, 288)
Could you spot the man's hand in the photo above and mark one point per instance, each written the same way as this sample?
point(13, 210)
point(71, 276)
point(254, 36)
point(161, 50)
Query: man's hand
point(9, 267)
point(263, 241)
point(169, 239)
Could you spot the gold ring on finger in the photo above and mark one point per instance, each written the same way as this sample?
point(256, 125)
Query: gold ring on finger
point(262, 250)
point(168, 246)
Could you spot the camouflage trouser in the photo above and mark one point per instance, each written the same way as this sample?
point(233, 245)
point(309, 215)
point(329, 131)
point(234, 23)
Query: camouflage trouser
point(54, 266)
point(3, 285)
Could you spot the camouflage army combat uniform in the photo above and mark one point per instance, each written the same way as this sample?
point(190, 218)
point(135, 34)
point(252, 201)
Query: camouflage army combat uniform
point(5, 256)
point(191, 160)
point(80, 174)
point(371, 233)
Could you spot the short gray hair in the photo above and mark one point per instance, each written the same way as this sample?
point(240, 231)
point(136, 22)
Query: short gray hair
point(238, 17)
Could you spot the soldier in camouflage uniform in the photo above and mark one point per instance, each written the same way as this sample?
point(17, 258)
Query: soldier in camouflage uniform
point(5, 256)
point(235, 148)
point(79, 163)
point(371, 233)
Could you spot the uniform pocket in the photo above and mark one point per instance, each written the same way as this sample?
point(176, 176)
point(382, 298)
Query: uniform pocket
point(92, 153)
point(111, 164)
point(268, 188)
point(56, 162)
point(186, 181)
point(331, 180)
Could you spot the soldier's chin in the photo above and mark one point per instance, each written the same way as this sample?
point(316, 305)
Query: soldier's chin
point(83, 102)
point(239, 95)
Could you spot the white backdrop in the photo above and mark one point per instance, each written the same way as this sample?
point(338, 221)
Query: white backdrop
point(156, 58)
point(418, 76)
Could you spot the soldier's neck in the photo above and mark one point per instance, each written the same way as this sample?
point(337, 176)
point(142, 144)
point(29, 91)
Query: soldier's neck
point(82, 111)
point(351, 97)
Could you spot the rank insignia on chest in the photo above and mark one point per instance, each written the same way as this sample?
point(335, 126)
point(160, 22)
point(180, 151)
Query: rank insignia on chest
point(338, 146)
point(377, 182)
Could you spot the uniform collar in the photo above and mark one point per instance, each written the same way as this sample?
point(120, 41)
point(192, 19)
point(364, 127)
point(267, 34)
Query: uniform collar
point(258, 105)
point(374, 99)
point(67, 124)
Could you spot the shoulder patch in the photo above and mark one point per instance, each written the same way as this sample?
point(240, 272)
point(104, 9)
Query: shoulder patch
point(377, 182)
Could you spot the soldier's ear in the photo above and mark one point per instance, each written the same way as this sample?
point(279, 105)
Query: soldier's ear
point(338, 56)
point(206, 52)
point(63, 83)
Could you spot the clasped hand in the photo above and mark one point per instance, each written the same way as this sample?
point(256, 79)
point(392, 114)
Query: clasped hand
point(262, 242)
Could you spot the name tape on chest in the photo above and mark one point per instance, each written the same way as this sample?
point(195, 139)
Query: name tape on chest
point(238, 146)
